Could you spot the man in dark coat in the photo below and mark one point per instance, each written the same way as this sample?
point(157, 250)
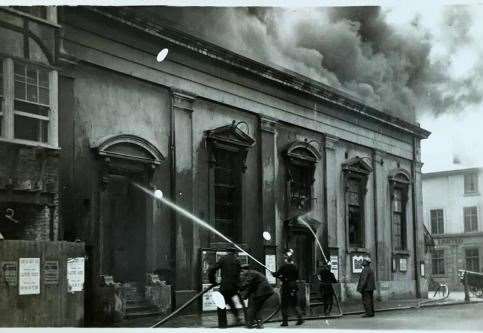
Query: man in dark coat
point(366, 286)
point(327, 278)
point(288, 273)
point(254, 285)
point(230, 278)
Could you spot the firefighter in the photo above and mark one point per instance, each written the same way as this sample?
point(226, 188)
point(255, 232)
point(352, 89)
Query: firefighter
point(327, 278)
point(288, 273)
point(366, 286)
point(230, 278)
point(254, 285)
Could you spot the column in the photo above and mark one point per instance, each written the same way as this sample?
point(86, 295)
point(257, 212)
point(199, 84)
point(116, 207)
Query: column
point(331, 177)
point(8, 97)
point(269, 162)
point(419, 230)
point(382, 228)
point(182, 155)
point(53, 135)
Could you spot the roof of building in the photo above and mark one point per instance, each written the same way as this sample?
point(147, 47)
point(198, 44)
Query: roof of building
point(273, 73)
point(453, 172)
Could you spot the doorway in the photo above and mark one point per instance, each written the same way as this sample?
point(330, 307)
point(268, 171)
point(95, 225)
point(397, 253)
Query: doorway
point(127, 234)
point(303, 245)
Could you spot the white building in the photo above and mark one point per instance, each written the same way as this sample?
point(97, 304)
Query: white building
point(452, 210)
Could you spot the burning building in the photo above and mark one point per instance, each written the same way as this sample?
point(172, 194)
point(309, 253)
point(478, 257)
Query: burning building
point(244, 146)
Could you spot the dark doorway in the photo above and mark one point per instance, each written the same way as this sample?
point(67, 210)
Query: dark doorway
point(127, 234)
point(302, 243)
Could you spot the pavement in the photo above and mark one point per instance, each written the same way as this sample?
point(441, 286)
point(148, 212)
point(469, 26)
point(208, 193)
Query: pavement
point(209, 319)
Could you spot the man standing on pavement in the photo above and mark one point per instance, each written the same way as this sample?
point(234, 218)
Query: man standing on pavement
point(230, 278)
point(366, 286)
point(254, 285)
point(327, 278)
point(288, 273)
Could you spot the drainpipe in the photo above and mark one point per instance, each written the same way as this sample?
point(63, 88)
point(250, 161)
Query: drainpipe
point(374, 185)
point(415, 221)
point(172, 214)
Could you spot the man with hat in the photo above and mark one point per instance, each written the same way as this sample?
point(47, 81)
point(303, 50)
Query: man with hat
point(327, 278)
point(254, 285)
point(366, 286)
point(230, 278)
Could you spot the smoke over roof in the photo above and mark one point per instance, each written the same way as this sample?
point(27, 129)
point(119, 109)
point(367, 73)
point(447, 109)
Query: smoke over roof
point(354, 49)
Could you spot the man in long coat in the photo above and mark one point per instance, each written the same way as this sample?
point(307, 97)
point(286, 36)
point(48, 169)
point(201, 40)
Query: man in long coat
point(254, 285)
point(366, 286)
point(230, 278)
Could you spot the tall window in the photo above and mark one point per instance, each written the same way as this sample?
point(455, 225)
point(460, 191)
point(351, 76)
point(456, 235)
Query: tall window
point(355, 211)
point(471, 183)
point(438, 262)
point(301, 187)
point(437, 221)
point(398, 220)
point(227, 189)
point(470, 218)
point(31, 104)
point(472, 257)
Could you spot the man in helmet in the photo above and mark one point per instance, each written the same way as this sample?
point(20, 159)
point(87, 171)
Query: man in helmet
point(230, 278)
point(327, 278)
point(366, 286)
point(288, 273)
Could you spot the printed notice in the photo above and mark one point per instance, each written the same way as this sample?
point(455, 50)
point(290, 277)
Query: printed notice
point(51, 272)
point(75, 274)
point(334, 266)
point(29, 276)
point(271, 263)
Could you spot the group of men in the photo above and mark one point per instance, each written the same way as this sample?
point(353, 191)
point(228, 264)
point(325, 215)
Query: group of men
point(239, 280)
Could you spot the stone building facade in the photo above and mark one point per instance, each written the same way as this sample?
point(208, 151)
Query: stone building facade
point(244, 146)
point(454, 221)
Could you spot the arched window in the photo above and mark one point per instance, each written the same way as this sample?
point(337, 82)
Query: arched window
point(356, 172)
point(399, 184)
point(301, 162)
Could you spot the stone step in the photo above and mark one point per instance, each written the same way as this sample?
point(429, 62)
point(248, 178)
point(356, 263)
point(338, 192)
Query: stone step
point(153, 311)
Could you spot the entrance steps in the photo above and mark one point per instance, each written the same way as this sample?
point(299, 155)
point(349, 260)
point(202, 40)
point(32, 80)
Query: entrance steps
point(135, 303)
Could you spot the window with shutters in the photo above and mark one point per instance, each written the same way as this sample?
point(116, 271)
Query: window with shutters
point(437, 262)
point(437, 221)
point(470, 219)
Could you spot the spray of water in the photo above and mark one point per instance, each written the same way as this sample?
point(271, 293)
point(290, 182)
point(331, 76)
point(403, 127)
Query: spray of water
point(301, 220)
point(197, 220)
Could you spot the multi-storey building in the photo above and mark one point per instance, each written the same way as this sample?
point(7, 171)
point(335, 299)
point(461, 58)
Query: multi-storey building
point(452, 213)
point(245, 146)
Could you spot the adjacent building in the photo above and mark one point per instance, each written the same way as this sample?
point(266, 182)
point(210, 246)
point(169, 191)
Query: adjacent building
point(452, 208)
point(244, 146)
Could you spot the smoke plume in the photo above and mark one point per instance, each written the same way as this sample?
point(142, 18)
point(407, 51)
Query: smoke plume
point(350, 48)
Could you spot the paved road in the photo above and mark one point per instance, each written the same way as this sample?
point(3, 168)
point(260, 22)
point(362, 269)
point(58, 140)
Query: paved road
point(454, 317)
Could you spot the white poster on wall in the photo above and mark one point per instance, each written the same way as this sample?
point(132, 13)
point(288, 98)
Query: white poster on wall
point(29, 276)
point(334, 266)
point(357, 264)
point(271, 263)
point(75, 274)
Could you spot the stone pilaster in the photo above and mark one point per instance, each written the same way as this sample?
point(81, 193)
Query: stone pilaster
point(331, 185)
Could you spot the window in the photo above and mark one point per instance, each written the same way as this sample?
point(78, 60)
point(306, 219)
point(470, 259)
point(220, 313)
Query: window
point(437, 221)
point(398, 220)
point(471, 183)
point(31, 105)
point(227, 190)
point(438, 262)
point(32, 112)
point(472, 258)
point(470, 218)
point(300, 187)
point(356, 172)
point(355, 209)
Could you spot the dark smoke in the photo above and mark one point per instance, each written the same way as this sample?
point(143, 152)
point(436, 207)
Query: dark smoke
point(350, 48)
